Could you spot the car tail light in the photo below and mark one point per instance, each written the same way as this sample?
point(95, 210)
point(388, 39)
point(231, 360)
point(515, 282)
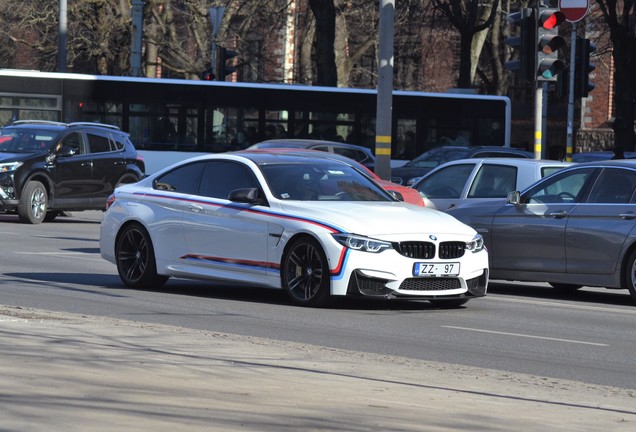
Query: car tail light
point(110, 201)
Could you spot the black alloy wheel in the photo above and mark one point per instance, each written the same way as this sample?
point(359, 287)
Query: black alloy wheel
point(135, 258)
point(305, 273)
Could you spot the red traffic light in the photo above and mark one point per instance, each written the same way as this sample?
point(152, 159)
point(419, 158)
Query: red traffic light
point(550, 18)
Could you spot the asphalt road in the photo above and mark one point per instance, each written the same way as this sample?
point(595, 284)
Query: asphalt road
point(532, 329)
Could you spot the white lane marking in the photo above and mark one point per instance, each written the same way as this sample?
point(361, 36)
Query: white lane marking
point(525, 336)
point(55, 253)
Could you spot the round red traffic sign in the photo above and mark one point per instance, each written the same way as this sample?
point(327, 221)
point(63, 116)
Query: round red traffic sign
point(574, 10)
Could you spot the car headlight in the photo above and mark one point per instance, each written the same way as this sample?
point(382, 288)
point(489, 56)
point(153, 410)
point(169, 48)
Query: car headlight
point(476, 244)
point(361, 243)
point(11, 166)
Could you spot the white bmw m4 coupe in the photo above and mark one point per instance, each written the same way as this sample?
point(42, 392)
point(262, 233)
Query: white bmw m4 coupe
point(316, 228)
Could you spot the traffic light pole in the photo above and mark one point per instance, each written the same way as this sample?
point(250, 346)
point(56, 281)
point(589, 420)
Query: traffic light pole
point(538, 119)
point(570, 132)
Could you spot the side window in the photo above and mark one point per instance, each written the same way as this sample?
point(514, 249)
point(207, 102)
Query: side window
point(569, 187)
point(72, 141)
point(614, 186)
point(119, 141)
point(98, 143)
point(448, 182)
point(222, 177)
point(321, 148)
point(350, 153)
point(184, 179)
point(493, 181)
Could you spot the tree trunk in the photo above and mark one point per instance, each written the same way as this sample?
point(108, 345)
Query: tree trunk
point(325, 13)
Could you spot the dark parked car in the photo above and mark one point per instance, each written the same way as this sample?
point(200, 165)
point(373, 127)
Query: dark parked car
point(358, 153)
point(599, 155)
point(433, 158)
point(573, 228)
point(50, 167)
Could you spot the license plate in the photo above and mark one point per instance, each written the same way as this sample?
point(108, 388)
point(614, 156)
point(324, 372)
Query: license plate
point(436, 269)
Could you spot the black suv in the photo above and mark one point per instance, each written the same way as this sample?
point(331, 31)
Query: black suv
point(49, 167)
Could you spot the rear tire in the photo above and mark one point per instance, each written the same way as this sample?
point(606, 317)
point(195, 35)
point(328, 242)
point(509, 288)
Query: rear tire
point(33, 203)
point(135, 258)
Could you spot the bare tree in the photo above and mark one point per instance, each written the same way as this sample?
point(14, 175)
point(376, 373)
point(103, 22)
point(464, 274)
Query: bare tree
point(469, 17)
point(325, 14)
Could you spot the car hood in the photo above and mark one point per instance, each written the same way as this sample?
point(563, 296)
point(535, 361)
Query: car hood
point(377, 218)
point(14, 157)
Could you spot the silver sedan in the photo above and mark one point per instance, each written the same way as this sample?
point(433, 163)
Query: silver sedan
point(576, 227)
point(466, 180)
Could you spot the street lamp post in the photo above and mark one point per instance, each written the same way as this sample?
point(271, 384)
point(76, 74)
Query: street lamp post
point(62, 37)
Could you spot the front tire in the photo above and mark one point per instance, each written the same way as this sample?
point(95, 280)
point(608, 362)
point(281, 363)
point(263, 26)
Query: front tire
point(305, 273)
point(135, 258)
point(33, 203)
point(629, 275)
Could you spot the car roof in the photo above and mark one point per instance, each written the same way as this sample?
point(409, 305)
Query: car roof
point(265, 156)
point(507, 161)
point(312, 153)
point(625, 163)
point(306, 143)
point(57, 126)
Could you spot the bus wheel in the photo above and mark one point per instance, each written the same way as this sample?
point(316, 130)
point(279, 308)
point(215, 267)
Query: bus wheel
point(33, 203)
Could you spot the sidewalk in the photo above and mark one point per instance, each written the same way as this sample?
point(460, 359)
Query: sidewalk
point(77, 373)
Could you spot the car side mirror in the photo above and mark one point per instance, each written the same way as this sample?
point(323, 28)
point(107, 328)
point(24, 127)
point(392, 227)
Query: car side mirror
point(65, 151)
point(398, 196)
point(514, 197)
point(246, 195)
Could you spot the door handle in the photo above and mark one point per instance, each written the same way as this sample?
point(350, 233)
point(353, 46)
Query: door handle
point(628, 215)
point(195, 208)
point(558, 214)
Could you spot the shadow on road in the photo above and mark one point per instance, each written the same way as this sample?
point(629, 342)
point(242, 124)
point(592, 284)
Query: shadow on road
point(237, 292)
point(544, 291)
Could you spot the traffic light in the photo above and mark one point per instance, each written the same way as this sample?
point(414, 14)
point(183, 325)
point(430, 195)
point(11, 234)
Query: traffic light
point(224, 67)
point(548, 43)
point(525, 43)
point(207, 75)
point(583, 67)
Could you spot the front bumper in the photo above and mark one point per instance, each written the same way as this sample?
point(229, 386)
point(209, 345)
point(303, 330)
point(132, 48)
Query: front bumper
point(8, 202)
point(419, 287)
point(391, 273)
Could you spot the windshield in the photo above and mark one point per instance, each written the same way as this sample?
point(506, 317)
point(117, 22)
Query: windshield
point(438, 156)
point(321, 181)
point(25, 140)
